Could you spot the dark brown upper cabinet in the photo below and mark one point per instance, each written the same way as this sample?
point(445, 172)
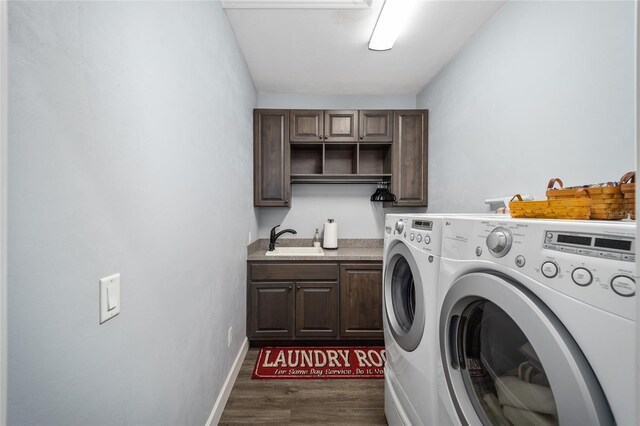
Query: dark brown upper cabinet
point(376, 126)
point(306, 125)
point(271, 164)
point(409, 159)
point(340, 146)
point(341, 126)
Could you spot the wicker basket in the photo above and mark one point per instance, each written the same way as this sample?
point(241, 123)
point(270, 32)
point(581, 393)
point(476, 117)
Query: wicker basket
point(628, 188)
point(576, 207)
point(608, 202)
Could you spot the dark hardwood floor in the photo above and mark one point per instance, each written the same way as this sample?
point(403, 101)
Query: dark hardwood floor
point(301, 402)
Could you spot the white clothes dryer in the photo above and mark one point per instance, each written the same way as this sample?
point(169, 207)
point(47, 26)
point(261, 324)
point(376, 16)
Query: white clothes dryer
point(536, 322)
point(412, 245)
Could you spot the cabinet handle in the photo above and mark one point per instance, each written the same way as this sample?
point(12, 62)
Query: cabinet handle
point(298, 287)
point(289, 288)
point(361, 136)
point(320, 137)
point(325, 137)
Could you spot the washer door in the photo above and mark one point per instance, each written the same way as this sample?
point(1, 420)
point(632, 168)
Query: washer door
point(404, 297)
point(509, 360)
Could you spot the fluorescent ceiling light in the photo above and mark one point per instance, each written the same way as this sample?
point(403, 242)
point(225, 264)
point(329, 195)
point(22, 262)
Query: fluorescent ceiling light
point(392, 18)
point(296, 4)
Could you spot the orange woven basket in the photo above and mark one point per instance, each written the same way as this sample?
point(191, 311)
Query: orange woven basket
point(578, 206)
point(628, 188)
point(608, 202)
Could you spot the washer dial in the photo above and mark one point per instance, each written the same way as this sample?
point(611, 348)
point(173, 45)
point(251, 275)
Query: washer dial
point(499, 242)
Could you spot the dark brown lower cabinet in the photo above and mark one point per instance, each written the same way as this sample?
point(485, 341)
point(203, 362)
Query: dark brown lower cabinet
point(317, 309)
point(322, 301)
point(361, 300)
point(271, 307)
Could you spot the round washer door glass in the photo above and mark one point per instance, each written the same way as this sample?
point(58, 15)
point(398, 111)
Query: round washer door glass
point(404, 297)
point(504, 377)
point(403, 294)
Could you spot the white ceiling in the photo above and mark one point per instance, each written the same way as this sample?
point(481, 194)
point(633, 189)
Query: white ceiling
point(322, 51)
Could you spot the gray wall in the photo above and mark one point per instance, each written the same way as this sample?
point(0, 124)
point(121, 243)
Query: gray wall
point(313, 204)
point(275, 100)
point(129, 146)
point(546, 89)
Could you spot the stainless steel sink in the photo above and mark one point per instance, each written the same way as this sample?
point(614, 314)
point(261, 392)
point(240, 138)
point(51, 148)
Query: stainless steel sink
point(296, 251)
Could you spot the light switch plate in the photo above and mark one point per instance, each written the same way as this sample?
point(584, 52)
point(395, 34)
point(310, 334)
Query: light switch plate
point(109, 297)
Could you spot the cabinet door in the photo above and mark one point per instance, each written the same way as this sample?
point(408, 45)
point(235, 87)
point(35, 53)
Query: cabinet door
point(271, 309)
point(341, 126)
point(409, 162)
point(376, 126)
point(271, 181)
point(361, 300)
point(306, 125)
point(317, 309)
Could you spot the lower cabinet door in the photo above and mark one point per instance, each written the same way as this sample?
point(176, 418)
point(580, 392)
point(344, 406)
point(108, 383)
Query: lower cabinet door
point(271, 309)
point(316, 309)
point(361, 300)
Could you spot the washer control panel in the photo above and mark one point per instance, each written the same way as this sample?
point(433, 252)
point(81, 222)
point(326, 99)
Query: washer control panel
point(594, 245)
point(593, 262)
point(422, 232)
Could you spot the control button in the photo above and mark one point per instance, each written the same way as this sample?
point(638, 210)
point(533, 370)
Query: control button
point(629, 257)
point(499, 242)
point(549, 235)
point(549, 269)
point(607, 255)
point(412, 236)
point(582, 276)
point(478, 251)
point(419, 238)
point(568, 249)
point(550, 247)
point(387, 229)
point(520, 261)
point(427, 239)
point(586, 252)
point(399, 226)
point(623, 285)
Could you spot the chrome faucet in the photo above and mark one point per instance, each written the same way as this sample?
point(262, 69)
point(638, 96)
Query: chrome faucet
point(274, 237)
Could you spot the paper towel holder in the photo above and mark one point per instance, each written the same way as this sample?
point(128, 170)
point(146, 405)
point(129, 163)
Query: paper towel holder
point(330, 239)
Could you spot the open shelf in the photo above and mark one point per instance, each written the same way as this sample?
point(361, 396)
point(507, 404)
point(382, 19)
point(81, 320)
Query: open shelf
point(340, 162)
point(374, 159)
point(340, 159)
point(306, 159)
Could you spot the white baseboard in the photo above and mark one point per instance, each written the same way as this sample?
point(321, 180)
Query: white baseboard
point(223, 396)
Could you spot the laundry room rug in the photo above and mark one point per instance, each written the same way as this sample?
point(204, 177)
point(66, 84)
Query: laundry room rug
point(341, 362)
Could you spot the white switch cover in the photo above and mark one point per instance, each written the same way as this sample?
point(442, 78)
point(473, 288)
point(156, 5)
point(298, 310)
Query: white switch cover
point(109, 297)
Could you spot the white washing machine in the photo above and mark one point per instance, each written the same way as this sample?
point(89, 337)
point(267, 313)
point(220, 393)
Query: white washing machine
point(412, 246)
point(536, 322)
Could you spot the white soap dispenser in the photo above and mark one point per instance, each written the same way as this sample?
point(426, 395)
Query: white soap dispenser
point(316, 239)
